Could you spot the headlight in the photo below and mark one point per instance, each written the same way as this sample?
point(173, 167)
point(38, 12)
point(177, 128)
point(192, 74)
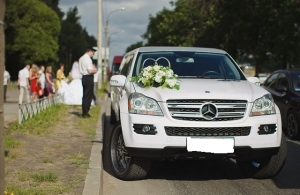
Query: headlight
point(140, 104)
point(263, 106)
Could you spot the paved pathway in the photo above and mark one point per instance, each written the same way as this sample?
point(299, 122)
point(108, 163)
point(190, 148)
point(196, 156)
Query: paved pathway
point(11, 106)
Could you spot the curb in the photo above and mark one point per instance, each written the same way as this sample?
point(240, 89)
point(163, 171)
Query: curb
point(93, 181)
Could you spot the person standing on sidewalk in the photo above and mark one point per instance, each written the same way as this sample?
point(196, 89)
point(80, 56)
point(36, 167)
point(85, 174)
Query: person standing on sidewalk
point(6, 82)
point(87, 70)
point(23, 83)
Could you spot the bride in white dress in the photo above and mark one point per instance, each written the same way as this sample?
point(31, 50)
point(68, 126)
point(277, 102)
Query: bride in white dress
point(73, 92)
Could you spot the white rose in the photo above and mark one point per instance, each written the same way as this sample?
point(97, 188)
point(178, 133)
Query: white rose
point(169, 73)
point(149, 75)
point(158, 79)
point(171, 82)
point(145, 73)
point(161, 73)
point(156, 67)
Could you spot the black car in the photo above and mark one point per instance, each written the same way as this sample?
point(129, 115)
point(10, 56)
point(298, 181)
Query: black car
point(284, 85)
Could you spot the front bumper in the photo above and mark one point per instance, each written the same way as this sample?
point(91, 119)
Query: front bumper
point(240, 153)
point(161, 145)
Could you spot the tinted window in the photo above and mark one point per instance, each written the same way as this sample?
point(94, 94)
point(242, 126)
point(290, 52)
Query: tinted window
point(125, 67)
point(282, 80)
point(296, 82)
point(191, 64)
point(115, 68)
point(271, 81)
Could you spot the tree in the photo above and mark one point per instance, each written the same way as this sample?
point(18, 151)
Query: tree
point(32, 29)
point(134, 46)
point(53, 4)
point(241, 28)
point(73, 39)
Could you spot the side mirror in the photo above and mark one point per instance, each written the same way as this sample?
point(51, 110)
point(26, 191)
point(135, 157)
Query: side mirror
point(280, 88)
point(117, 80)
point(254, 80)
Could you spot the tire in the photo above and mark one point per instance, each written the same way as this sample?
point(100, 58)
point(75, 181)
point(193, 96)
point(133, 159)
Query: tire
point(292, 130)
point(265, 168)
point(124, 166)
point(113, 118)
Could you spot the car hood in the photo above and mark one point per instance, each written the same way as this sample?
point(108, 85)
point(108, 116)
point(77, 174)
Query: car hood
point(205, 89)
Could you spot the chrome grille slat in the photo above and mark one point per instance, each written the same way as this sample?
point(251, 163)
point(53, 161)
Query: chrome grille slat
point(190, 109)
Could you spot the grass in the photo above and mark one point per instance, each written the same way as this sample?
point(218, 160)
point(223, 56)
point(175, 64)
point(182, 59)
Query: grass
point(10, 142)
point(40, 123)
point(49, 176)
point(47, 182)
point(11, 148)
point(47, 160)
point(88, 125)
point(79, 159)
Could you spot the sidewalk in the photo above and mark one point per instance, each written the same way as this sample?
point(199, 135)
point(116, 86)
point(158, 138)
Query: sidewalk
point(11, 106)
point(93, 181)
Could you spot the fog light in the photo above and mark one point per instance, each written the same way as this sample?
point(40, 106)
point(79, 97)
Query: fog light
point(145, 129)
point(267, 129)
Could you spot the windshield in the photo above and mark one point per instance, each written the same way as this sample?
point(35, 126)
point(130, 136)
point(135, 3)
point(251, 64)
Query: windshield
point(191, 64)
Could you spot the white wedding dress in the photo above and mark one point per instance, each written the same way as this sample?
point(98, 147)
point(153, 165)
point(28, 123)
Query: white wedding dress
point(72, 92)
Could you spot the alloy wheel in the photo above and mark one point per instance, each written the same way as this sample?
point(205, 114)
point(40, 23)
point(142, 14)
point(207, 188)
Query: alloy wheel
point(120, 157)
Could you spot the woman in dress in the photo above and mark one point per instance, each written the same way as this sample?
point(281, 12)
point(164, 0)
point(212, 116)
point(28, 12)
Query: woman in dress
point(49, 82)
point(60, 76)
point(33, 77)
point(73, 92)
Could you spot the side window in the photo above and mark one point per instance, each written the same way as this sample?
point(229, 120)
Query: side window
point(125, 67)
point(271, 82)
point(282, 80)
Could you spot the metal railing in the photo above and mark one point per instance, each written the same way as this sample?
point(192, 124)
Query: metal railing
point(31, 109)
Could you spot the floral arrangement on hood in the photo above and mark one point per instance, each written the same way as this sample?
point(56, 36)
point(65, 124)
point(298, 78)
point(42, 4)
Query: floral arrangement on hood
point(155, 76)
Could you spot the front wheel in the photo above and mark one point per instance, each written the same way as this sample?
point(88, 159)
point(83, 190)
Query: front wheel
point(124, 166)
point(113, 118)
point(267, 167)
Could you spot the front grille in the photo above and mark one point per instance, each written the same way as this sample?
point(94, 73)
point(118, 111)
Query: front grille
point(190, 109)
point(207, 131)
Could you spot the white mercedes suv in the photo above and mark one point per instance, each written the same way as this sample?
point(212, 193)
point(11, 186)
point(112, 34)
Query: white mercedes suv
point(216, 113)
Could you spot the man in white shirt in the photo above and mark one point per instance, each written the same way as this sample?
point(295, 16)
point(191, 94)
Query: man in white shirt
point(23, 83)
point(87, 70)
point(6, 81)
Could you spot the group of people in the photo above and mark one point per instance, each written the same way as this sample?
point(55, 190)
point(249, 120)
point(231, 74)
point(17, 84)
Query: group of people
point(35, 82)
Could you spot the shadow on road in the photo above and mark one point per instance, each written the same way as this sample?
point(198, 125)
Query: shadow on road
point(289, 177)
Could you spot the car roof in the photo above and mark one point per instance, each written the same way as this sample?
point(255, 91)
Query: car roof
point(175, 48)
point(291, 71)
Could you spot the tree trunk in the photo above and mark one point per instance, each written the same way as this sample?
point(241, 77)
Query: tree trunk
point(2, 63)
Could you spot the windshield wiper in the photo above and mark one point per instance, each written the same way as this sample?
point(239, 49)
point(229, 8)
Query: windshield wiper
point(208, 77)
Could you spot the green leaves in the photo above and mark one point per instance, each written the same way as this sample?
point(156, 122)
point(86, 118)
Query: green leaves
point(267, 30)
point(35, 29)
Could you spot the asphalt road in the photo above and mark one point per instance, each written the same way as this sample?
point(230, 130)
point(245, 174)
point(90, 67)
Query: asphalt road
point(204, 177)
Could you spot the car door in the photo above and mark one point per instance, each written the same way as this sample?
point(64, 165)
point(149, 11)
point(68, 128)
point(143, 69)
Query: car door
point(270, 85)
point(283, 100)
point(117, 92)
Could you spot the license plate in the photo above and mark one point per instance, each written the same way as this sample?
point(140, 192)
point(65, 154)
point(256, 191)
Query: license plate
point(210, 145)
